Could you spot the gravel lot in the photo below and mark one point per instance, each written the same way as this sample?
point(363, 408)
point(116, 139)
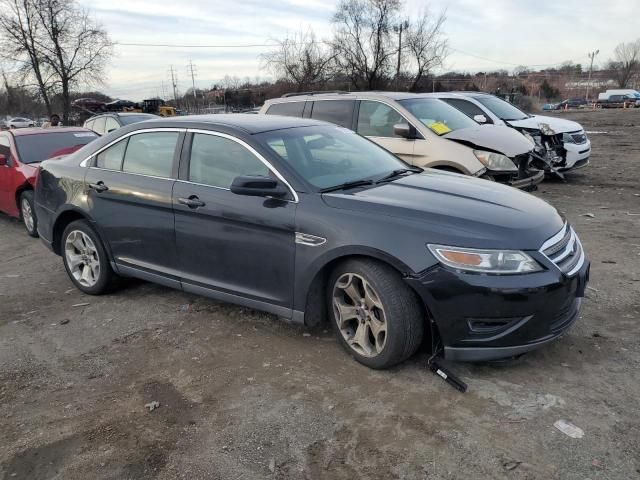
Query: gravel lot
point(244, 396)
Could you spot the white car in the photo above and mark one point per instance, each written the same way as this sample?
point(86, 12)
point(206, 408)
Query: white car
point(562, 144)
point(20, 122)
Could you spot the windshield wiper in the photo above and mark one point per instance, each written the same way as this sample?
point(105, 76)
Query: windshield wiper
point(344, 186)
point(399, 172)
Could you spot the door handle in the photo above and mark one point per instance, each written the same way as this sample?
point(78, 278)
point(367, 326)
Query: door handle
point(98, 187)
point(191, 202)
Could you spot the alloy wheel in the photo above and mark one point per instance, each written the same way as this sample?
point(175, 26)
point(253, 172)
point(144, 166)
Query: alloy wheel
point(359, 314)
point(27, 214)
point(82, 258)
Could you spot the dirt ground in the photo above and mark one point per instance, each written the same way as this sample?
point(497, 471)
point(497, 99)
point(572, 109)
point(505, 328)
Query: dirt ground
point(244, 396)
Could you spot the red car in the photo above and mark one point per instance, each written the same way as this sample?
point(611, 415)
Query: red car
point(21, 151)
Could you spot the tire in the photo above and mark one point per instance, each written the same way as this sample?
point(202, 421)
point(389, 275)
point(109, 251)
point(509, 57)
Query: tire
point(391, 308)
point(28, 213)
point(80, 242)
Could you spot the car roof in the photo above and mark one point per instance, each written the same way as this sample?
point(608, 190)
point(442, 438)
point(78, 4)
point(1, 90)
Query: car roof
point(39, 131)
point(249, 123)
point(122, 114)
point(345, 95)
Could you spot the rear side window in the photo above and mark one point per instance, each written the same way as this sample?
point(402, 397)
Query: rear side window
point(376, 119)
point(89, 124)
point(288, 109)
point(151, 154)
point(468, 108)
point(216, 161)
point(339, 112)
point(111, 158)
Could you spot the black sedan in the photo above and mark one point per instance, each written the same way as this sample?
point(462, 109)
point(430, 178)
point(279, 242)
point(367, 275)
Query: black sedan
point(310, 221)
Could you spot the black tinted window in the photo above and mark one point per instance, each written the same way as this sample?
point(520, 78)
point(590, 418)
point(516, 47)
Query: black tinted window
point(216, 161)
point(151, 153)
point(339, 112)
point(468, 108)
point(376, 119)
point(111, 158)
point(288, 109)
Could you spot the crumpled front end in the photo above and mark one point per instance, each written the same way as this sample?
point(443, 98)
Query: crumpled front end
point(558, 152)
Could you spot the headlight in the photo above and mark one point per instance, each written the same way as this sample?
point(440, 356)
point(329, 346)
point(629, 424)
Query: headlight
point(566, 138)
point(495, 161)
point(499, 262)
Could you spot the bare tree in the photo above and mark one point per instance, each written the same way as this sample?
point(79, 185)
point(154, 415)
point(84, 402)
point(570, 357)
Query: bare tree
point(626, 62)
point(362, 42)
point(74, 46)
point(301, 60)
point(21, 35)
point(426, 44)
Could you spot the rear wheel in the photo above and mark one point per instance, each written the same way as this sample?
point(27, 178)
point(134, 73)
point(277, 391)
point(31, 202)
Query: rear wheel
point(85, 258)
point(377, 318)
point(28, 213)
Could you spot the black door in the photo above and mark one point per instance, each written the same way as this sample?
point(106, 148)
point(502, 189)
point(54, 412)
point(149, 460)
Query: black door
point(230, 245)
point(129, 196)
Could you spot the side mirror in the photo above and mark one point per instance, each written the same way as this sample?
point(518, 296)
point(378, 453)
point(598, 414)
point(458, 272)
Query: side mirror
point(258, 186)
point(480, 118)
point(3, 160)
point(405, 130)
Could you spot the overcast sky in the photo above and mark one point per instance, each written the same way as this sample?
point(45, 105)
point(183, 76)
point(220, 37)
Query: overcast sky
point(483, 35)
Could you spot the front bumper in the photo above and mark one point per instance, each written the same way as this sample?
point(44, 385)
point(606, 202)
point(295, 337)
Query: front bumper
point(489, 317)
point(577, 155)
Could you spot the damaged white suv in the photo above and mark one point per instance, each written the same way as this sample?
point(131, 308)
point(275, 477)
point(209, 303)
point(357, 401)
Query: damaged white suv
point(561, 145)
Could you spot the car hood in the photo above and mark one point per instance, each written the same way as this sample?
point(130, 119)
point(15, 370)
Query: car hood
point(492, 137)
point(558, 125)
point(457, 210)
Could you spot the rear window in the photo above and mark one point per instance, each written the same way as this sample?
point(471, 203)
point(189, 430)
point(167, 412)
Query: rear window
point(339, 112)
point(39, 147)
point(287, 109)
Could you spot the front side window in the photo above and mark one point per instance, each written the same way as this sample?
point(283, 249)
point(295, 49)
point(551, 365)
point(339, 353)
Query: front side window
point(288, 109)
point(330, 156)
point(111, 125)
point(111, 158)
point(466, 107)
point(217, 161)
point(376, 119)
point(339, 112)
point(151, 154)
point(501, 108)
point(440, 117)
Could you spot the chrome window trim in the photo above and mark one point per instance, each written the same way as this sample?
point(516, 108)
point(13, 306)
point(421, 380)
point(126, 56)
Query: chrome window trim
point(85, 162)
point(252, 150)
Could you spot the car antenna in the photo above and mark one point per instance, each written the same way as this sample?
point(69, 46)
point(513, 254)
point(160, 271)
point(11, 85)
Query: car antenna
point(438, 369)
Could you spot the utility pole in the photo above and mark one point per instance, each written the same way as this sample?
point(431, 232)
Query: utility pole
point(174, 83)
point(192, 69)
point(591, 55)
point(398, 29)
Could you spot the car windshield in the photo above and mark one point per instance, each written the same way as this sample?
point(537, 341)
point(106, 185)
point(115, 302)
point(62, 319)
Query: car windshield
point(330, 156)
point(501, 108)
point(39, 147)
point(128, 119)
point(440, 117)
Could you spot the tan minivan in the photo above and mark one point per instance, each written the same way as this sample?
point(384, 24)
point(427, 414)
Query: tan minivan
point(425, 132)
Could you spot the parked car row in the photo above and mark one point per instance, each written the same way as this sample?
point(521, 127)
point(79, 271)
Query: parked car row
point(310, 220)
point(496, 141)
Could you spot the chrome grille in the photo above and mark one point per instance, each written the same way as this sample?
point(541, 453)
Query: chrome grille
point(564, 250)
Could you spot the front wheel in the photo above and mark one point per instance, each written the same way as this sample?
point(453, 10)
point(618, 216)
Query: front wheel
point(85, 258)
point(377, 318)
point(28, 213)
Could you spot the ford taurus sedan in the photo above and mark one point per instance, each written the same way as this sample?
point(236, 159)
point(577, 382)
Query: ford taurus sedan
point(309, 221)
